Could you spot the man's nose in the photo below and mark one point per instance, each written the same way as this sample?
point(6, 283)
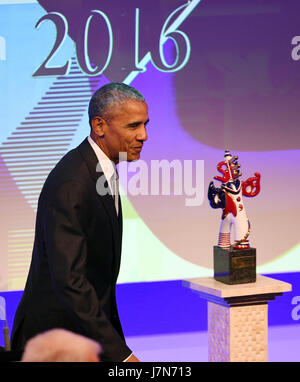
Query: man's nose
point(142, 135)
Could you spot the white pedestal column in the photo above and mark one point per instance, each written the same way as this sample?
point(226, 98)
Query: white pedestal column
point(238, 317)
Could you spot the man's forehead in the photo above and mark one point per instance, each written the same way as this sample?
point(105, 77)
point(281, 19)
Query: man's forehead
point(129, 108)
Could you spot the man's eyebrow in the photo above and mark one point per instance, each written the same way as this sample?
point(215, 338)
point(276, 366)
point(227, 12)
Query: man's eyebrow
point(138, 123)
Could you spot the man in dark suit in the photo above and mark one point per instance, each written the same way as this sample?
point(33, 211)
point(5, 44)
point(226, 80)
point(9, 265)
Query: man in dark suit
point(77, 248)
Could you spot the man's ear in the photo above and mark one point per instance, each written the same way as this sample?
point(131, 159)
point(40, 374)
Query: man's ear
point(98, 126)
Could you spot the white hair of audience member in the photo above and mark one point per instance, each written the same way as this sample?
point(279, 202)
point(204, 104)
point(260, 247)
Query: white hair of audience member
point(60, 345)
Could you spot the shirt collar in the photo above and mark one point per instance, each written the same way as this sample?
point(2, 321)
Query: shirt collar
point(106, 164)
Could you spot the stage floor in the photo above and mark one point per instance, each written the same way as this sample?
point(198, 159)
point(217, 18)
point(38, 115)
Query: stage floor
point(284, 345)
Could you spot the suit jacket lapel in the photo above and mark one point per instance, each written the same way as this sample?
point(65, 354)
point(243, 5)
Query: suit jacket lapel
point(120, 219)
point(107, 200)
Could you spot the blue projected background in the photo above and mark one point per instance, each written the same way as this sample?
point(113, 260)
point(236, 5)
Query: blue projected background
point(216, 75)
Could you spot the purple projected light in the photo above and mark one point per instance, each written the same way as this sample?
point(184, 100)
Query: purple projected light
point(237, 92)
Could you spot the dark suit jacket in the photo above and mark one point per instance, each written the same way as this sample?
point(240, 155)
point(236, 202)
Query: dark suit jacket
point(75, 260)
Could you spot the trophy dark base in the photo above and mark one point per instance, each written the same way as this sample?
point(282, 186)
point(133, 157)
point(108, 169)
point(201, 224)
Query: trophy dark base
point(235, 266)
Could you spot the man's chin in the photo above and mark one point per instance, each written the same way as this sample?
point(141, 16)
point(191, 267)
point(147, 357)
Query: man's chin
point(133, 157)
point(129, 157)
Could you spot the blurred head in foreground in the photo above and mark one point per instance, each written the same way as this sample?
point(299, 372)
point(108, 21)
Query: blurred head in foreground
point(59, 345)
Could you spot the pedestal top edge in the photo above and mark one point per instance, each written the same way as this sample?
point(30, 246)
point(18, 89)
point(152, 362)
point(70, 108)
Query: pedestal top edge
point(263, 285)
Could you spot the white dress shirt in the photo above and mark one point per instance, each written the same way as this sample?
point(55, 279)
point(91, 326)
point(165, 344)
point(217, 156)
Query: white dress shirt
point(109, 170)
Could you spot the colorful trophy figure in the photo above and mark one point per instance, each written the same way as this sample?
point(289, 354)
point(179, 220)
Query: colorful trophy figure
point(236, 263)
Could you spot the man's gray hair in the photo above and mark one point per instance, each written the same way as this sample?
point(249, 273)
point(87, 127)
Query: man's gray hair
point(110, 95)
